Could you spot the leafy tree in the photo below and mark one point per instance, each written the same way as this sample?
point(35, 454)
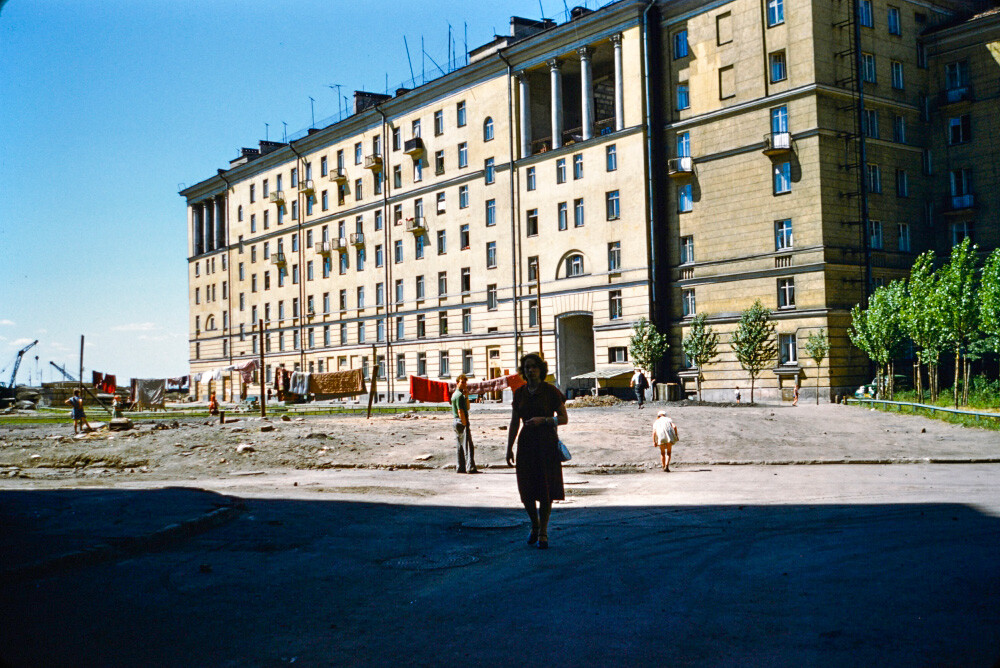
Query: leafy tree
point(647, 345)
point(922, 320)
point(700, 345)
point(957, 289)
point(878, 331)
point(754, 342)
point(817, 346)
point(989, 301)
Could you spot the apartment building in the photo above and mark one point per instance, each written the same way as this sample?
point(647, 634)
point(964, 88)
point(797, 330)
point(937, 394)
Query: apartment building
point(643, 160)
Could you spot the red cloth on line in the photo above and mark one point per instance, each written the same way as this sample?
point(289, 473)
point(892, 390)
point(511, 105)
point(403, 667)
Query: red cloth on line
point(424, 389)
point(110, 384)
point(512, 381)
point(96, 379)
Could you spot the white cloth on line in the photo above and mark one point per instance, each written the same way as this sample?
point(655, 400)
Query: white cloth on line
point(299, 383)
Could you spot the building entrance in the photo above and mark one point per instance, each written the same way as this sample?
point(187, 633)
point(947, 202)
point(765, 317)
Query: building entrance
point(574, 350)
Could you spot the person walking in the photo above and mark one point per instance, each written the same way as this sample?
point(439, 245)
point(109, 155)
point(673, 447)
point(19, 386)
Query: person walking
point(795, 394)
point(664, 437)
point(738, 394)
point(463, 433)
point(640, 384)
point(79, 417)
point(537, 409)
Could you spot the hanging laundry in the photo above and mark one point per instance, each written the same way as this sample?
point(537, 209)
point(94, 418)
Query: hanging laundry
point(432, 391)
point(109, 384)
point(149, 392)
point(96, 379)
point(246, 370)
point(512, 381)
point(338, 384)
point(181, 382)
point(299, 383)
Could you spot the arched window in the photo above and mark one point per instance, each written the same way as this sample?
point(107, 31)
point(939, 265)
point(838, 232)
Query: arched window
point(210, 323)
point(488, 129)
point(574, 265)
point(239, 213)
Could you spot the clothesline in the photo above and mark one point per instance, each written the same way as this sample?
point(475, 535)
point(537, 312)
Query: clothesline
point(439, 391)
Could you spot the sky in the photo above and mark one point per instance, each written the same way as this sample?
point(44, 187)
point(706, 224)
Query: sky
point(109, 108)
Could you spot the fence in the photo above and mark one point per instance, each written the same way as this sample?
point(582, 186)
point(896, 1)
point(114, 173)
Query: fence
point(913, 408)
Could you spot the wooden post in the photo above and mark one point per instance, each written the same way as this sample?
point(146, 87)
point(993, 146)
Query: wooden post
point(371, 388)
point(81, 367)
point(538, 302)
point(263, 380)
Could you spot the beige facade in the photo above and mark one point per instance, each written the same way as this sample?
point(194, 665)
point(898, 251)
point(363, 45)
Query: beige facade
point(418, 232)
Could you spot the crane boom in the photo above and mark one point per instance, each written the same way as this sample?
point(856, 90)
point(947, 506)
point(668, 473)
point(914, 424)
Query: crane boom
point(17, 362)
point(63, 371)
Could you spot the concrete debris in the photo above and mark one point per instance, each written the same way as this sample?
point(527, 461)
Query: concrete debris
point(244, 447)
point(120, 424)
point(267, 427)
point(285, 418)
point(315, 434)
point(423, 458)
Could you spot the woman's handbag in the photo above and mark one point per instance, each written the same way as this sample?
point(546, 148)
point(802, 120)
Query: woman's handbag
point(564, 455)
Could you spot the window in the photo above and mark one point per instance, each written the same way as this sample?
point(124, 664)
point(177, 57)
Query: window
point(467, 362)
point(309, 270)
point(960, 231)
point(893, 22)
point(868, 68)
point(295, 210)
point(239, 213)
point(615, 256)
point(956, 74)
point(442, 283)
point(574, 265)
point(323, 169)
point(687, 249)
point(577, 167)
point(683, 98)
point(613, 210)
point(397, 176)
point(871, 123)
point(438, 122)
point(685, 198)
point(443, 323)
point(874, 178)
point(399, 291)
point(902, 183)
point(532, 222)
point(380, 294)
point(866, 15)
point(875, 236)
point(377, 183)
point(561, 170)
point(610, 158)
point(782, 178)
point(786, 293)
point(343, 333)
point(463, 197)
point(899, 128)
point(401, 364)
point(253, 196)
point(578, 216)
point(440, 201)
point(361, 296)
point(896, 69)
point(787, 349)
point(439, 162)
point(460, 114)
point(533, 313)
point(684, 145)
point(415, 128)
point(400, 328)
point(444, 364)
point(903, 236)
point(961, 187)
point(357, 153)
point(489, 171)
point(775, 12)
point(467, 321)
point(463, 236)
point(491, 255)
point(783, 238)
point(617, 354)
point(397, 139)
point(688, 303)
point(615, 305)
point(380, 330)
point(418, 171)
point(491, 297)
point(357, 190)
point(379, 256)
point(960, 129)
point(442, 244)
point(488, 129)
point(562, 216)
point(267, 219)
point(680, 44)
point(466, 281)
point(397, 251)
point(421, 364)
point(533, 268)
point(530, 178)
point(776, 63)
point(463, 155)
point(295, 178)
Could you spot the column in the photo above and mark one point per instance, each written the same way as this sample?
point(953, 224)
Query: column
point(220, 222)
point(209, 232)
point(525, 111)
point(619, 85)
point(196, 238)
point(586, 92)
point(557, 110)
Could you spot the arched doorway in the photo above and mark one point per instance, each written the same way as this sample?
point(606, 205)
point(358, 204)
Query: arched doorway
point(574, 350)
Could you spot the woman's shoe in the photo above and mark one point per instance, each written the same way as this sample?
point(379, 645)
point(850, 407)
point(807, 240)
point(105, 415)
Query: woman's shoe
point(543, 542)
point(533, 537)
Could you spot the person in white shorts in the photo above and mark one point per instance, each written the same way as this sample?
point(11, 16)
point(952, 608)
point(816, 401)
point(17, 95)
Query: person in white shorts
point(664, 437)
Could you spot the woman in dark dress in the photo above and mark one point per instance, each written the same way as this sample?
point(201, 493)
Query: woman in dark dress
point(538, 408)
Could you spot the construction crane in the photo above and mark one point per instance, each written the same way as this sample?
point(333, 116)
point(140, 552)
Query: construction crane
point(66, 374)
point(8, 392)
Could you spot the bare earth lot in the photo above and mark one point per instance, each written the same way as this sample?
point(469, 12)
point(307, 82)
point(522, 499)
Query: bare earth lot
point(610, 437)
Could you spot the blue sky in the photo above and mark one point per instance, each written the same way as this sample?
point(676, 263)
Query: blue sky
point(107, 108)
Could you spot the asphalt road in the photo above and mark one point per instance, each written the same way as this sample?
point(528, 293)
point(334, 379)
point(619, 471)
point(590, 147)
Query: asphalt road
point(849, 565)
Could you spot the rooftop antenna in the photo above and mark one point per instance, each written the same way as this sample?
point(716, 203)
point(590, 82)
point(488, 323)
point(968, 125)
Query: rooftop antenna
point(312, 110)
point(541, 9)
point(413, 77)
point(337, 88)
point(267, 127)
point(566, 7)
point(423, 62)
point(284, 132)
point(449, 45)
point(466, 24)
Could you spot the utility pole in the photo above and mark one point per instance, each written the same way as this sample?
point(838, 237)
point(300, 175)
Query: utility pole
point(263, 381)
point(81, 367)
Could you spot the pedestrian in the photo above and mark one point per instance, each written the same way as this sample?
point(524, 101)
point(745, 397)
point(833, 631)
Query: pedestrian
point(79, 417)
point(795, 394)
point(664, 437)
point(463, 434)
point(737, 394)
point(640, 385)
point(536, 410)
point(213, 405)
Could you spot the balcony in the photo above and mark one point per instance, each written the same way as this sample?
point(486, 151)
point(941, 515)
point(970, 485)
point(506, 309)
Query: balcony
point(414, 147)
point(680, 167)
point(958, 204)
point(956, 95)
point(340, 245)
point(338, 175)
point(278, 197)
point(417, 225)
point(307, 188)
point(374, 163)
point(278, 259)
point(322, 247)
point(358, 239)
point(777, 143)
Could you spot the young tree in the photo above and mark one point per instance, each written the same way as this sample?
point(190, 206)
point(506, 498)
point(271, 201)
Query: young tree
point(989, 301)
point(700, 345)
point(817, 346)
point(878, 331)
point(922, 318)
point(753, 341)
point(958, 300)
point(647, 345)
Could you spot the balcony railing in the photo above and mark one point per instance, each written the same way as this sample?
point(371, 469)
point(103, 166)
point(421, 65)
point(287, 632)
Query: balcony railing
point(358, 239)
point(417, 224)
point(680, 167)
point(278, 258)
point(959, 203)
point(307, 187)
point(414, 147)
point(322, 247)
point(338, 175)
point(374, 163)
point(278, 197)
point(776, 143)
point(340, 245)
point(957, 94)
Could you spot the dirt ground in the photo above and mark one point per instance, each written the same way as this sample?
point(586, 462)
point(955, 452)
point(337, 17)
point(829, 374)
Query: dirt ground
point(613, 438)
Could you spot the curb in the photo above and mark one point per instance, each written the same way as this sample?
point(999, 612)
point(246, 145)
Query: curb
point(132, 545)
